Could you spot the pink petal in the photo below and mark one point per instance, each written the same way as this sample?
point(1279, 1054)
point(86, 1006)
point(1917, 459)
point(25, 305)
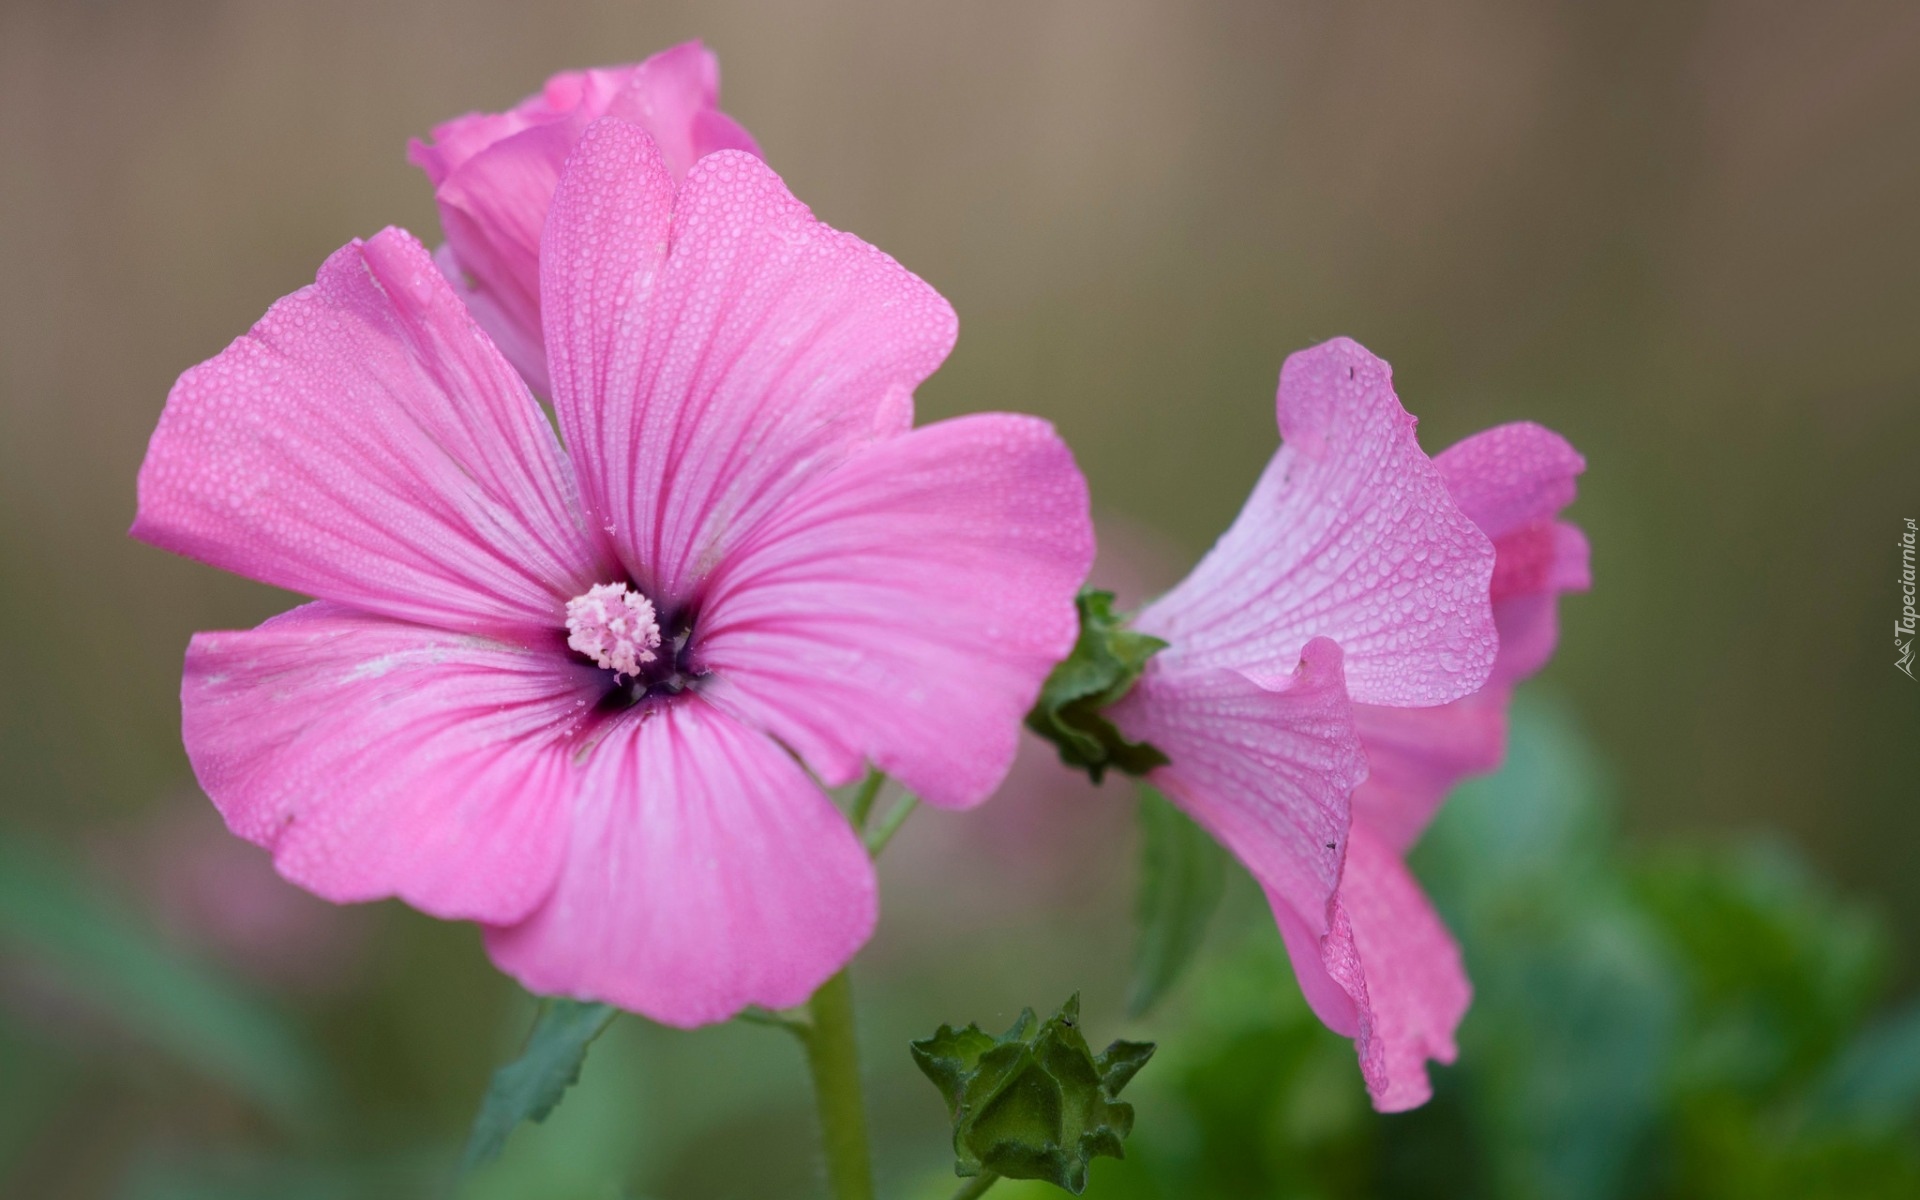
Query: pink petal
point(1415, 756)
point(1510, 477)
point(704, 372)
point(457, 142)
point(706, 873)
point(1349, 534)
point(1513, 481)
point(1264, 764)
point(1396, 966)
point(492, 211)
point(377, 758)
point(1529, 617)
point(519, 341)
point(1529, 621)
point(494, 175)
point(905, 607)
point(675, 97)
point(366, 444)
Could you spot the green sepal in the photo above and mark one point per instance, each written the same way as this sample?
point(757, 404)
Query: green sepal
point(1183, 875)
point(1107, 658)
point(1035, 1102)
point(530, 1087)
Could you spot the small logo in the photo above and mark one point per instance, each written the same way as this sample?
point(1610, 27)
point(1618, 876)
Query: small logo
point(1903, 627)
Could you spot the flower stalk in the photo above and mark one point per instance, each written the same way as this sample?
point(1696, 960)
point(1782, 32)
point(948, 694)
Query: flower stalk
point(977, 1186)
point(827, 1031)
point(834, 1062)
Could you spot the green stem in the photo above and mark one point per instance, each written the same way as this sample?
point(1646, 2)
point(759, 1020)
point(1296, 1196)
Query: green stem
point(977, 1186)
point(881, 834)
point(835, 1063)
point(864, 798)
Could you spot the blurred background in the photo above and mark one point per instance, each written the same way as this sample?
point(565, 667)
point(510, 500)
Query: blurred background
point(1684, 234)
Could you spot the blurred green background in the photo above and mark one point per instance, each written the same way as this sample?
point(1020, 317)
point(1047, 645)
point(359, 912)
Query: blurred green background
point(1687, 235)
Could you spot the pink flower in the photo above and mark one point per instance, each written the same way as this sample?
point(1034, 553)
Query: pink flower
point(493, 176)
point(569, 695)
point(1349, 579)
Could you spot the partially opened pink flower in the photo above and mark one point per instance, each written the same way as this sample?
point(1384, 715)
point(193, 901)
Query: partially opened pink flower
point(575, 695)
point(493, 175)
point(1512, 481)
point(1350, 578)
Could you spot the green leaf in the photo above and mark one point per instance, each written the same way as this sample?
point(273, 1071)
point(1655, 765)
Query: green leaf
point(1107, 658)
point(530, 1087)
point(124, 971)
point(1035, 1102)
point(1183, 874)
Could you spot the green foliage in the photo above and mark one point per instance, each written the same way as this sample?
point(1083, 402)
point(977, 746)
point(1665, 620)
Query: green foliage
point(1183, 874)
point(1780, 972)
point(1875, 1082)
point(530, 1087)
point(1035, 1102)
point(1107, 658)
point(234, 1176)
point(119, 970)
point(1567, 1075)
point(1670, 1026)
point(1773, 1092)
point(1693, 1023)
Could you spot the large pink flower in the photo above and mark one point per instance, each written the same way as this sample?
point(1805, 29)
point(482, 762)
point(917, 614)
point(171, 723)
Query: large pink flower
point(493, 176)
point(1349, 579)
point(570, 695)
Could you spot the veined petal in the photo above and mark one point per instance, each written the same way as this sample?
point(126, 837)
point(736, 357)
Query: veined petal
point(905, 607)
point(1512, 480)
point(706, 369)
point(706, 872)
point(1415, 756)
point(378, 758)
point(1398, 969)
point(365, 443)
point(1349, 534)
point(1265, 765)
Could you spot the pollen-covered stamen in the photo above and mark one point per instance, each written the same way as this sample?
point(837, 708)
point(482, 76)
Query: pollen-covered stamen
point(614, 626)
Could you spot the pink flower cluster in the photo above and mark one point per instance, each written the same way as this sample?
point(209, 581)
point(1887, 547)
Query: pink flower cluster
point(585, 690)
